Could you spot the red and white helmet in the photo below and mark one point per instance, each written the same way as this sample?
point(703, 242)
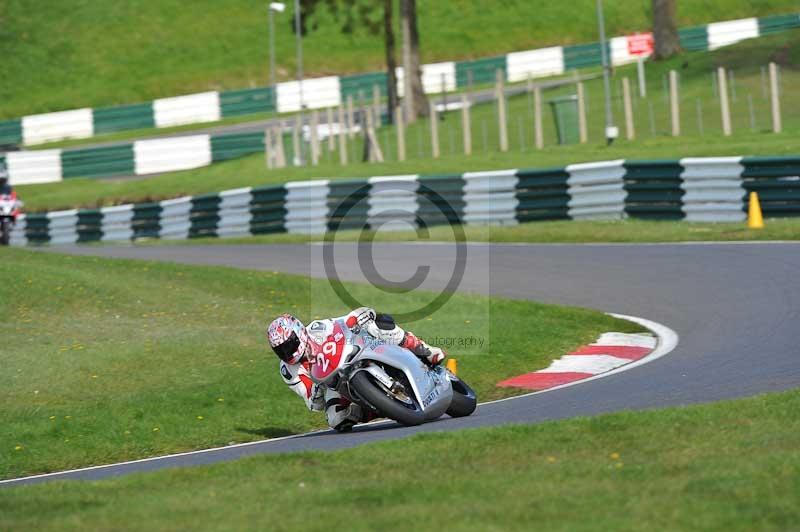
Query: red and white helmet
point(288, 338)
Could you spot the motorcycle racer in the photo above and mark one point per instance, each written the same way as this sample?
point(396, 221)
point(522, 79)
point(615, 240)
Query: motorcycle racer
point(292, 343)
point(9, 206)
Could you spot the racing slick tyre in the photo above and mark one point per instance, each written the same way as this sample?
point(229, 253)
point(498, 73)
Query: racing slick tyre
point(5, 232)
point(464, 399)
point(384, 403)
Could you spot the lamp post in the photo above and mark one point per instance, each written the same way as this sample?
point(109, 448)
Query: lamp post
point(276, 7)
point(299, 37)
point(612, 131)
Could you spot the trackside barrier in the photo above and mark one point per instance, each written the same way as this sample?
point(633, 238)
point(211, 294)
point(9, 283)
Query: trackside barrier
point(307, 206)
point(490, 197)
point(596, 190)
point(713, 189)
point(234, 212)
point(393, 202)
point(142, 157)
point(709, 189)
point(330, 91)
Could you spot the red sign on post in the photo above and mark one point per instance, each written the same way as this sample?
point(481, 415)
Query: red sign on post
point(640, 44)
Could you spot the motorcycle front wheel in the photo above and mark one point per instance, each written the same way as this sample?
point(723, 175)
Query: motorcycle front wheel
point(464, 400)
point(383, 402)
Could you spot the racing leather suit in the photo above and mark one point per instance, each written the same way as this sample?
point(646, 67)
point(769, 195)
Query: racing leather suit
point(340, 413)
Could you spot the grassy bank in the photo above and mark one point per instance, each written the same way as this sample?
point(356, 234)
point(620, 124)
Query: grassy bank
point(653, 139)
point(733, 465)
point(110, 360)
point(555, 232)
point(152, 49)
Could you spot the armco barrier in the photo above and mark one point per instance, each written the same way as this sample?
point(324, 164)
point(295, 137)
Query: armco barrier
point(713, 189)
point(710, 189)
point(596, 190)
point(332, 90)
point(490, 197)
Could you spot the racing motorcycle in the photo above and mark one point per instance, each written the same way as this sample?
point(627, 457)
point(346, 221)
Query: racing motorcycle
point(9, 208)
point(388, 380)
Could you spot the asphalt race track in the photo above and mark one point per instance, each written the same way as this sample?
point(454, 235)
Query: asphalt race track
point(736, 308)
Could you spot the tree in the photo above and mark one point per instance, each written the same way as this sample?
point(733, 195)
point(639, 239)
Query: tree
point(375, 16)
point(416, 104)
point(391, 62)
point(665, 29)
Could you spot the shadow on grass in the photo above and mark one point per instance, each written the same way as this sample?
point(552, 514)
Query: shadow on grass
point(267, 432)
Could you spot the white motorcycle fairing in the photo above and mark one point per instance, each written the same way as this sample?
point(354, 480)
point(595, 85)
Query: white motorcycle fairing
point(431, 386)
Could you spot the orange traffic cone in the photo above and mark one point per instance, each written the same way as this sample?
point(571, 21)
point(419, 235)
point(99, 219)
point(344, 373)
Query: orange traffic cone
point(754, 218)
point(452, 365)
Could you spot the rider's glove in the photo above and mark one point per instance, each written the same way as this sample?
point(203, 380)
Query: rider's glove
point(433, 355)
point(360, 317)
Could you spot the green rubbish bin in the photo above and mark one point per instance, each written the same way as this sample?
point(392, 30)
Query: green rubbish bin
point(565, 115)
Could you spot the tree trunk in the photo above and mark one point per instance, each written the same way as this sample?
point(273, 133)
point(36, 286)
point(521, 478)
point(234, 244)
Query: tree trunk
point(391, 62)
point(665, 29)
point(416, 102)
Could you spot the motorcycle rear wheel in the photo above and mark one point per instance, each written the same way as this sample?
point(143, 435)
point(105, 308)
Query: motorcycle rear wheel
point(373, 394)
point(464, 400)
point(5, 232)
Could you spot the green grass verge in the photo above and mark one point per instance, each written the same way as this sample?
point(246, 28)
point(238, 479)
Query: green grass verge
point(732, 465)
point(567, 231)
point(159, 48)
point(746, 58)
point(109, 360)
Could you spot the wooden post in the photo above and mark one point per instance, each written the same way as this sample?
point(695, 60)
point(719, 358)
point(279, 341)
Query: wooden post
point(298, 158)
point(642, 80)
point(268, 149)
point(466, 124)
point(775, 95)
point(331, 139)
point(375, 152)
point(501, 110)
point(280, 152)
point(376, 105)
point(350, 119)
point(434, 117)
point(401, 133)
point(722, 85)
point(630, 132)
point(582, 129)
point(674, 104)
point(315, 147)
point(342, 137)
point(537, 117)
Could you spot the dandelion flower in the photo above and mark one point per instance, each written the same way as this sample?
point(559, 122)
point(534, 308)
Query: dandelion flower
point(155, 429)
point(551, 459)
point(94, 376)
point(614, 456)
point(199, 418)
point(52, 418)
point(220, 400)
point(18, 448)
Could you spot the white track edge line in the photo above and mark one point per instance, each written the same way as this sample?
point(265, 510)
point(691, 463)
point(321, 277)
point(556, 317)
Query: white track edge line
point(667, 341)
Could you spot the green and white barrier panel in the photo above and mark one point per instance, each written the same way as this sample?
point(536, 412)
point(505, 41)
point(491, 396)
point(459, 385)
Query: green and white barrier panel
point(142, 157)
point(318, 93)
point(709, 189)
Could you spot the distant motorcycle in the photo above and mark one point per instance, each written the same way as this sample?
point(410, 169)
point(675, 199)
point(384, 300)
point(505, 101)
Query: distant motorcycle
point(9, 210)
point(388, 380)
